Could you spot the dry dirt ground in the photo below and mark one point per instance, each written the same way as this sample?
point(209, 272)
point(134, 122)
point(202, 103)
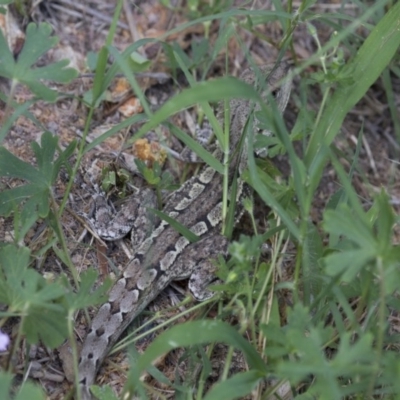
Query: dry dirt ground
point(83, 28)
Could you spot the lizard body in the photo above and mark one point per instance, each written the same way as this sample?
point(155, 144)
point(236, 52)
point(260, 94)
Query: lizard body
point(166, 255)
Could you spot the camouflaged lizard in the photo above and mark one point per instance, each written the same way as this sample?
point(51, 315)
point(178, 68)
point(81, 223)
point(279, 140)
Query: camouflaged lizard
point(166, 255)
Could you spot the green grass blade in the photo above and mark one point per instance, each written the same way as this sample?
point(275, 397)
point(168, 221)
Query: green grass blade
point(217, 129)
point(187, 233)
point(196, 333)
point(98, 83)
point(197, 148)
point(116, 128)
point(366, 67)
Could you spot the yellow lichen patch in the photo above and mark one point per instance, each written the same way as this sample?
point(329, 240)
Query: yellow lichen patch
point(149, 152)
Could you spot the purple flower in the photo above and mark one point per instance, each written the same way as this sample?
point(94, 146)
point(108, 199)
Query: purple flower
point(4, 341)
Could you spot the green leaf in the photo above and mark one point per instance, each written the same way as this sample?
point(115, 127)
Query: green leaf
point(10, 199)
point(29, 215)
point(25, 291)
point(138, 62)
point(200, 50)
point(26, 391)
point(352, 352)
point(391, 273)
point(35, 194)
point(86, 296)
point(19, 110)
point(236, 387)
point(55, 72)
point(63, 160)
point(46, 324)
point(45, 155)
point(38, 41)
point(91, 60)
point(349, 263)
point(13, 264)
point(305, 341)
point(312, 253)
point(12, 167)
point(30, 391)
point(98, 84)
point(385, 222)
point(342, 221)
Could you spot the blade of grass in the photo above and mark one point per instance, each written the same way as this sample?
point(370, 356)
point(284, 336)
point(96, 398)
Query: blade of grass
point(366, 68)
point(217, 129)
point(196, 147)
point(98, 83)
point(187, 233)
